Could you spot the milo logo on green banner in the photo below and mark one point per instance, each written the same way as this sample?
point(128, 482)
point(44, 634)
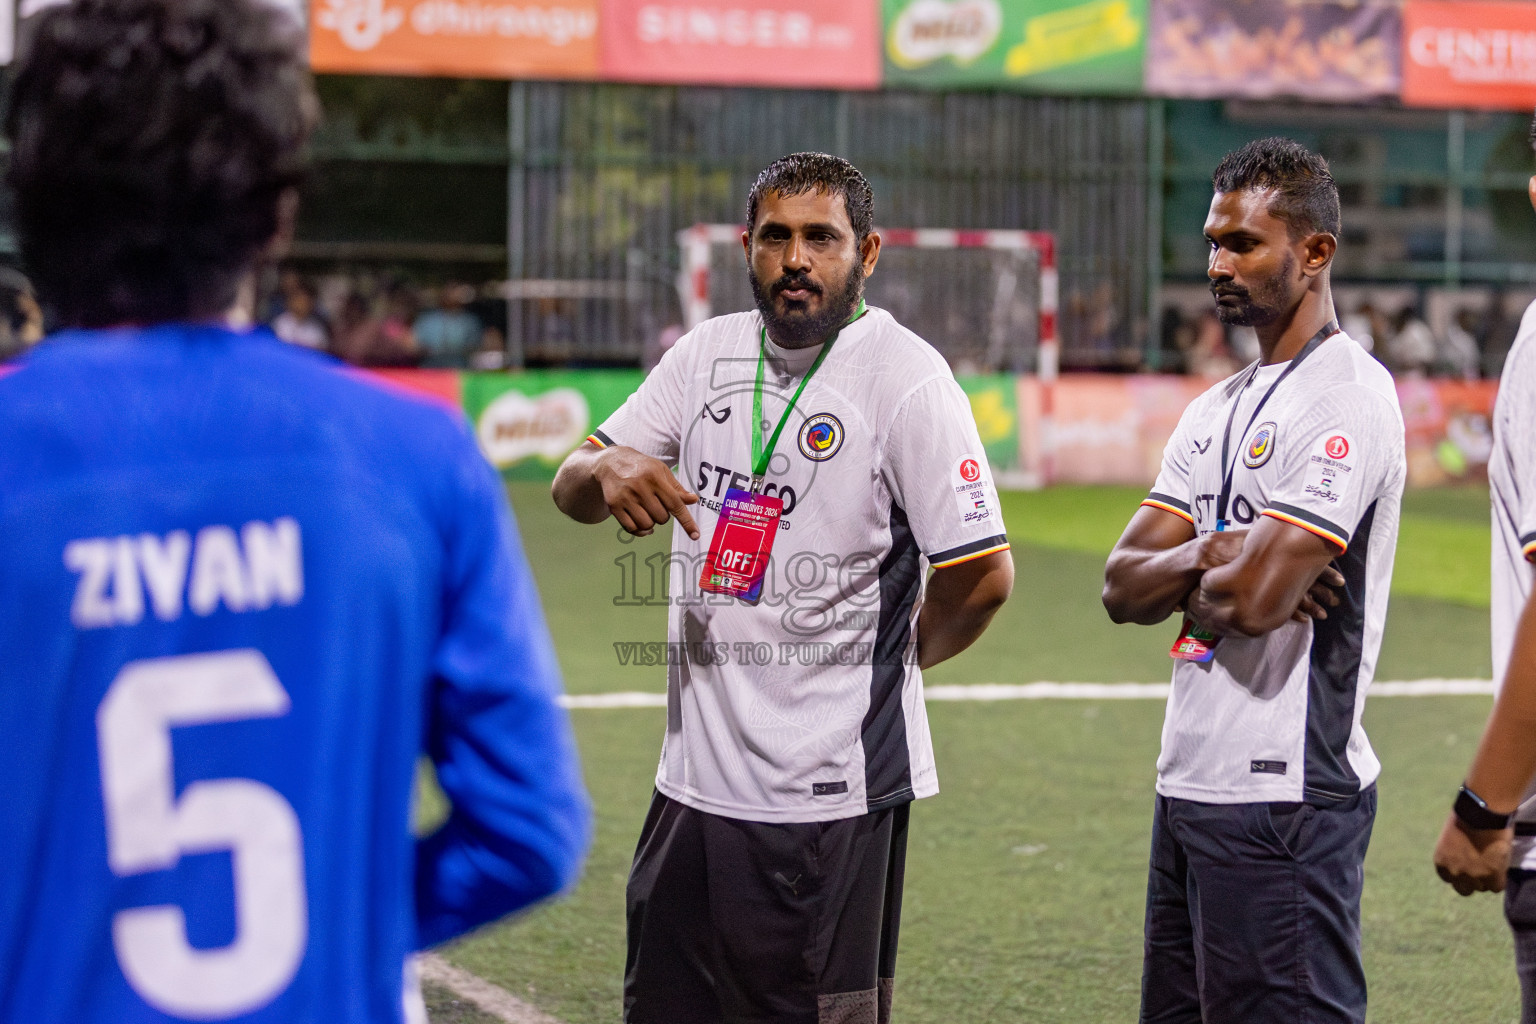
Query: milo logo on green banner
point(1042, 45)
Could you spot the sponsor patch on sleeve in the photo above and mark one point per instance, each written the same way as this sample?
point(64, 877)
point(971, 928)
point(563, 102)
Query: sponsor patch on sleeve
point(974, 496)
point(1330, 464)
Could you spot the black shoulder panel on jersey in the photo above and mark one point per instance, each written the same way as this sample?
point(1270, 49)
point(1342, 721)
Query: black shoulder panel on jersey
point(887, 761)
point(1333, 678)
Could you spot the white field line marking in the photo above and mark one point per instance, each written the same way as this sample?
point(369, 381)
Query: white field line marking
point(1060, 691)
point(489, 998)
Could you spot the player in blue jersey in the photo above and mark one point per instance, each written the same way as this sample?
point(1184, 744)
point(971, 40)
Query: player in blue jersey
point(240, 589)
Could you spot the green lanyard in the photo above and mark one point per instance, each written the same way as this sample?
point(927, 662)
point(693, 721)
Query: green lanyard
point(761, 455)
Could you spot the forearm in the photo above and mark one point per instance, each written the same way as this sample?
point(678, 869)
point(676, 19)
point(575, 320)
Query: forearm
point(959, 606)
point(1146, 586)
point(1506, 757)
point(1226, 610)
point(576, 490)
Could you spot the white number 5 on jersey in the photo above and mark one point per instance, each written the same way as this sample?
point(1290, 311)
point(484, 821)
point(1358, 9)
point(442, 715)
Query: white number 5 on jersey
point(148, 829)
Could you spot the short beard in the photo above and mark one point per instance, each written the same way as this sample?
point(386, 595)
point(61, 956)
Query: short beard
point(800, 328)
point(1260, 306)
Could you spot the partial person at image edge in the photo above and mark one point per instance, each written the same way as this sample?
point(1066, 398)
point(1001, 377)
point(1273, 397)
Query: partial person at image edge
point(241, 589)
point(1488, 842)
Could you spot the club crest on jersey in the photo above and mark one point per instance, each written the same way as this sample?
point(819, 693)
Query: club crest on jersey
point(820, 437)
point(1261, 445)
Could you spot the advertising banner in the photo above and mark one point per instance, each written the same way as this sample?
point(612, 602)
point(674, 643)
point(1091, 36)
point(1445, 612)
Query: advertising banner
point(1111, 429)
point(995, 407)
point(528, 422)
point(1469, 54)
point(1334, 50)
point(818, 44)
point(461, 38)
point(1038, 45)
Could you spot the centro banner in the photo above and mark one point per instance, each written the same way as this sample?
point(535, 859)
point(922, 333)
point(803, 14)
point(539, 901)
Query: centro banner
point(1469, 54)
point(459, 38)
point(829, 44)
point(1041, 45)
point(1334, 50)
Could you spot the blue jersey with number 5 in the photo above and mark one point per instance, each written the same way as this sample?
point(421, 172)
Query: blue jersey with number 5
point(241, 589)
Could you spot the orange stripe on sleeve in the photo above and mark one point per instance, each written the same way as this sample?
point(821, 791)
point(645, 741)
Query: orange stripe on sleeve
point(1154, 503)
point(1327, 535)
point(594, 439)
point(971, 557)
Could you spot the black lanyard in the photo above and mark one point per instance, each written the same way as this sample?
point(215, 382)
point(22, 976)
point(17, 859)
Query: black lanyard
point(1230, 469)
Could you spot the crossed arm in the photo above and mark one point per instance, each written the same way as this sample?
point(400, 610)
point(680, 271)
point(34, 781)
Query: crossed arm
point(1243, 582)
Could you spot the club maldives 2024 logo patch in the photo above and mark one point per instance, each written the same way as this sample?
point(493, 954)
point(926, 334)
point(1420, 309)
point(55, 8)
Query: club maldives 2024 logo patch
point(820, 437)
point(1261, 445)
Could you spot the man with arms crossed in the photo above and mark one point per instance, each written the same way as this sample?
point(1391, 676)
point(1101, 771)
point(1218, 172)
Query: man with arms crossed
point(241, 590)
point(1272, 528)
point(1489, 841)
point(767, 881)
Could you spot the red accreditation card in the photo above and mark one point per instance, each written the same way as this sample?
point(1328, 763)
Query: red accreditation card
point(1194, 643)
point(738, 553)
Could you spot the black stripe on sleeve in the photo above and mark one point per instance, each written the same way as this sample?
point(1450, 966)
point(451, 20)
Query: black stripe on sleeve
point(1310, 517)
point(1168, 499)
point(1526, 542)
point(607, 441)
point(967, 549)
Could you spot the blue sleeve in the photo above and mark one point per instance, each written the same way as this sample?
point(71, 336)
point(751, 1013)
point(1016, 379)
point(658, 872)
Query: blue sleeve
point(520, 821)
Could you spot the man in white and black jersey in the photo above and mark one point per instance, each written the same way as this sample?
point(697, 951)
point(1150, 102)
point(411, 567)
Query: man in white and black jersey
point(1489, 841)
point(833, 461)
point(1272, 528)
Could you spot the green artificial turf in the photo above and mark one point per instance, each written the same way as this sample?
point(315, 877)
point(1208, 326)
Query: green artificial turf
point(1026, 874)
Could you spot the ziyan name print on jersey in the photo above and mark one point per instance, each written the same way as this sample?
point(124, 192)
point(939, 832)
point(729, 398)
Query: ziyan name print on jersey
point(261, 566)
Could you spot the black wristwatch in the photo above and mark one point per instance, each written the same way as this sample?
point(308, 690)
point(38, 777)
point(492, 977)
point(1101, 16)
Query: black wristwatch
point(1474, 813)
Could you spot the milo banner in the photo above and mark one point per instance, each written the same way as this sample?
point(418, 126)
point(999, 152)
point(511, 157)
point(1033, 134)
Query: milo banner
point(1037, 45)
point(528, 422)
point(995, 406)
point(1336, 50)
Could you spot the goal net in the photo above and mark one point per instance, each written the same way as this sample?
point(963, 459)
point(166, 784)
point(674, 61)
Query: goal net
point(985, 299)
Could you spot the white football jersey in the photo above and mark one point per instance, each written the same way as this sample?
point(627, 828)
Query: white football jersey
point(807, 706)
point(1512, 486)
point(1277, 717)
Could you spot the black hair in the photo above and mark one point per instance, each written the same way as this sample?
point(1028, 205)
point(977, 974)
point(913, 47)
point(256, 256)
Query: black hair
point(152, 142)
point(799, 173)
point(1305, 195)
point(1530, 134)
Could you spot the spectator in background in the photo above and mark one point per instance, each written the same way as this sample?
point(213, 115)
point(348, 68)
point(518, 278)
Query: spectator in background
point(1210, 357)
point(1459, 356)
point(366, 340)
point(1361, 325)
point(21, 319)
point(448, 334)
point(1412, 348)
point(1495, 334)
point(299, 323)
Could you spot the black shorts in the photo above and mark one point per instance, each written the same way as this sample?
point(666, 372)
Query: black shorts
point(1253, 913)
point(732, 922)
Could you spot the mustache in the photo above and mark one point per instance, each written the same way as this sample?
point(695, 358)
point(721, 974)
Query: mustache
point(789, 281)
point(1236, 290)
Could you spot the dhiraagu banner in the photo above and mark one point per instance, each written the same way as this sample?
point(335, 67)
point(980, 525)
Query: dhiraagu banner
point(1034, 45)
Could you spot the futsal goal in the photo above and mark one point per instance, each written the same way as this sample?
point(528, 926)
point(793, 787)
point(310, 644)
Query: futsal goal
point(985, 299)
